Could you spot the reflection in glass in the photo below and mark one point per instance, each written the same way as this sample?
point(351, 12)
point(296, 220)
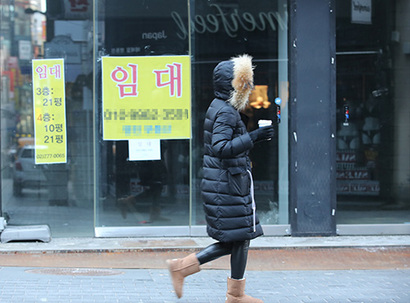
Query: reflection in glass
point(372, 153)
point(141, 192)
point(60, 195)
point(222, 30)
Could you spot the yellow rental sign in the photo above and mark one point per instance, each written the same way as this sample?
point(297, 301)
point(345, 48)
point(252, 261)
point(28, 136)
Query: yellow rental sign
point(146, 97)
point(49, 111)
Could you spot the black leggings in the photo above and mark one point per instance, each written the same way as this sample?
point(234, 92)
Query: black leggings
point(237, 250)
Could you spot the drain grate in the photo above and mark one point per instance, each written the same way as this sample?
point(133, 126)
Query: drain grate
point(75, 271)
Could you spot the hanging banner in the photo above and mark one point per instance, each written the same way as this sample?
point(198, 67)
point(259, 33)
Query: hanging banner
point(49, 111)
point(146, 97)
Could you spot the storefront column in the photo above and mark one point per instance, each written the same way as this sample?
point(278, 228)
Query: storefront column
point(401, 177)
point(283, 128)
point(312, 126)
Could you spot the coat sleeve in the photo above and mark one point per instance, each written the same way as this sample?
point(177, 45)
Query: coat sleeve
point(223, 143)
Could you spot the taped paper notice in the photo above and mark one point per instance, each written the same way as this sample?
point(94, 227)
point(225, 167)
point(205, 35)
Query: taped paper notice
point(144, 149)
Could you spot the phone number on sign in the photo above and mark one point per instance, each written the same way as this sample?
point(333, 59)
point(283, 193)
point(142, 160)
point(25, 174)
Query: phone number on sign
point(50, 156)
point(146, 114)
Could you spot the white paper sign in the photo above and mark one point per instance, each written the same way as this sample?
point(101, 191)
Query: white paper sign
point(144, 149)
point(25, 52)
point(362, 11)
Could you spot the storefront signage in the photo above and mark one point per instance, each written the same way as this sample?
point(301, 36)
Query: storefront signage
point(353, 174)
point(346, 157)
point(358, 187)
point(49, 111)
point(362, 11)
point(146, 97)
point(230, 23)
point(154, 35)
point(78, 9)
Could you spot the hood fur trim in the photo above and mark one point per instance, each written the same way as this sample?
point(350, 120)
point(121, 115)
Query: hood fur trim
point(242, 82)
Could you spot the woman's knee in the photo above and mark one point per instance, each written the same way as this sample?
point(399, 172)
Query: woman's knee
point(213, 252)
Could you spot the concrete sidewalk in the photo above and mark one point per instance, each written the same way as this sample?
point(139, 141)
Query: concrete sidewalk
point(266, 253)
point(182, 243)
point(36, 285)
point(280, 269)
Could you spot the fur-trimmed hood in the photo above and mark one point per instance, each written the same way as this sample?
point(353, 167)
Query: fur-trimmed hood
point(233, 81)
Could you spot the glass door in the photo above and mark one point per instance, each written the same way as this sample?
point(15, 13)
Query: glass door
point(142, 167)
point(219, 31)
point(372, 115)
point(161, 196)
point(46, 115)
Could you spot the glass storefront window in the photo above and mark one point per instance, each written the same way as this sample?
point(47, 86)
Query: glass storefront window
point(166, 192)
point(100, 188)
point(373, 180)
point(141, 193)
point(46, 192)
point(122, 187)
point(221, 30)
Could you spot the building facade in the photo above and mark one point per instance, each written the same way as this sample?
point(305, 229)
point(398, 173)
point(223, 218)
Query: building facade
point(332, 75)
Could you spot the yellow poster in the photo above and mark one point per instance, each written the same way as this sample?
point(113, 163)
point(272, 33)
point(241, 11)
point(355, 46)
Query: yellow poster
point(49, 111)
point(146, 97)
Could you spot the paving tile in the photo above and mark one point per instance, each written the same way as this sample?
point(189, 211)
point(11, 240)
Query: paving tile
point(154, 285)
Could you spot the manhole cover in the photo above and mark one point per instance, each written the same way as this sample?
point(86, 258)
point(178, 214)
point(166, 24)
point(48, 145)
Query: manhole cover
point(75, 271)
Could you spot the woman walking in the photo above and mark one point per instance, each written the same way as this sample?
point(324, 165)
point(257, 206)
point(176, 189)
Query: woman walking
point(227, 185)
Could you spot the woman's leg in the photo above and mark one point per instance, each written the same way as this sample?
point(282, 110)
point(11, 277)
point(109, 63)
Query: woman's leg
point(214, 251)
point(236, 284)
point(239, 257)
point(181, 268)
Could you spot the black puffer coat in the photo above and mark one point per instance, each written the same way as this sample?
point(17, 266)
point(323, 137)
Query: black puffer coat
point(226, 169)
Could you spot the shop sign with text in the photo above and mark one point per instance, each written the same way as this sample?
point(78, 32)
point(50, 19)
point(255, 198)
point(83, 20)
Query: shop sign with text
point(49, 111)
point(146, 97)
point(362, 11)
